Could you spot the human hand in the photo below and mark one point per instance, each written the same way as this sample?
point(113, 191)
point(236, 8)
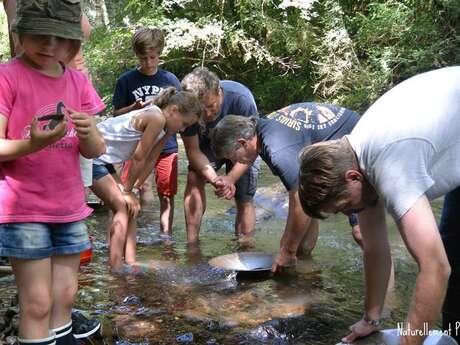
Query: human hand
point(132, 203)
point(283, 259)
point(225, 187)
point(360, 329)
point(83, 123)
point(139, 104)
point(41, 138)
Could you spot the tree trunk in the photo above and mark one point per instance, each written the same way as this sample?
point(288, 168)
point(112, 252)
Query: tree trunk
point(102, 17)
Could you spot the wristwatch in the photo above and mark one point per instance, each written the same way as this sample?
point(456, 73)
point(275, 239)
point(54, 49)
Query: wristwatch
point(372, 322)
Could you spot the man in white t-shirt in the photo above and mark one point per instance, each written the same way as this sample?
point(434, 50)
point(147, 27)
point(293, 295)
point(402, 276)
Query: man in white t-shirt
point(404, 152)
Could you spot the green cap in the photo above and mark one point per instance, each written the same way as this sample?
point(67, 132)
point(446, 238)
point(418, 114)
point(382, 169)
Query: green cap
point(60, 18)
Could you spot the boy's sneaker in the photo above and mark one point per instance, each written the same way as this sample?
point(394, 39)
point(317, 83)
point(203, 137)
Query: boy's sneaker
point(83, 327)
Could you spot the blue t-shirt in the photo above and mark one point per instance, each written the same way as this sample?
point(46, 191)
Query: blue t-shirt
point(133, 85)
point(238, 100)
point(285, 132)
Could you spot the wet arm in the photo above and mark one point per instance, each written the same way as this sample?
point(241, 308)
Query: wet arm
point(151, 160)
point(376, 257)
point(237, 171)
point(154, 125)
point(197, 159)
point(420, 233)
point(296, 225)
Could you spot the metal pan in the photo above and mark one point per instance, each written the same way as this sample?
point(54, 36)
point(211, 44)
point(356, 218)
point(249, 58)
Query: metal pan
point(56, 117)
point(244, 261)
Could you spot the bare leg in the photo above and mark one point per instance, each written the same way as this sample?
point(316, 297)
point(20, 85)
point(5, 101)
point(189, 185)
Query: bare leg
point(245, 218)
point(131, 242)
point(65, 287)
point(33, 278)
point(107, 190)
point(166, 212)
point(194, 205)
point(146, 196)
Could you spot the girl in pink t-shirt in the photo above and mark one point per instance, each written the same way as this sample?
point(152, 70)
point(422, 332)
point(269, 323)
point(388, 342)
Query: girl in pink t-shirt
point(44, 126)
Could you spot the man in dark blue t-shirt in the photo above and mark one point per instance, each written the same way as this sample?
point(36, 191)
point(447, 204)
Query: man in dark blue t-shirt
point(134, 90)
point(219, 98)
point(278, 139)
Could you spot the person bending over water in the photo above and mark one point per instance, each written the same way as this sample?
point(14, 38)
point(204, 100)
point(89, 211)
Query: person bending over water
point(404, 152)
point(138, 136)
point(278, 138)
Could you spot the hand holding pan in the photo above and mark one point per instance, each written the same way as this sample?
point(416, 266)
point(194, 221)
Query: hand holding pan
point(54, 120)
point(55, 117)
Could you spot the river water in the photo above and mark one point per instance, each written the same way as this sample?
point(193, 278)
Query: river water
point(179, 297)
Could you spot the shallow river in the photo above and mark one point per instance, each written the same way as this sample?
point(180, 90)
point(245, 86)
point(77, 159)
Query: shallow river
point(181, 297)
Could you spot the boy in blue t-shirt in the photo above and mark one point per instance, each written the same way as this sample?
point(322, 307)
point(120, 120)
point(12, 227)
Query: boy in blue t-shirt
point(134, 90)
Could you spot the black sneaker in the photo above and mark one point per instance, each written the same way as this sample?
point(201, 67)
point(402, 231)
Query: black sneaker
point(83, 327)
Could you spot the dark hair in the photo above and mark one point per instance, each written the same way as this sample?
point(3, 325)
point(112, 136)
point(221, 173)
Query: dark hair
point(201, 81)
point(186, 102)
point(322, 174)
point(224, 137)
point(145, 39)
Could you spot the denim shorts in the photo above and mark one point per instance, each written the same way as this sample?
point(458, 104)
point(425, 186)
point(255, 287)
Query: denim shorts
point(42, 240)
point(101, 170)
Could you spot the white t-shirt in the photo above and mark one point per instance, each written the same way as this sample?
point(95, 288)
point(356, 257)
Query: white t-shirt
point(408, 142)
point(121, 138)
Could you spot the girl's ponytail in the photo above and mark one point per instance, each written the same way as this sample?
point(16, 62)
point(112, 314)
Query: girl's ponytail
point(186, 101)
point(164, 98)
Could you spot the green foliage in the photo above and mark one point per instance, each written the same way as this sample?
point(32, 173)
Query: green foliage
point(365, 47)
point(338, 51)
point(108, 54)
point(4, 43)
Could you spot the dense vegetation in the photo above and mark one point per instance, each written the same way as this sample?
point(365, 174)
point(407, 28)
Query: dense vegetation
point(342, 51)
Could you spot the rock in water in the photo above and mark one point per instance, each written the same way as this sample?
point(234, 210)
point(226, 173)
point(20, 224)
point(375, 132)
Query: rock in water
point(391, 337)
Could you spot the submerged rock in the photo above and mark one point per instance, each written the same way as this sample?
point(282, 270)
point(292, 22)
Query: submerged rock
point(390, 337)
point(132, 300)
point(185, 338)
point(274, 199)
point(9, 325)
point(266, 333)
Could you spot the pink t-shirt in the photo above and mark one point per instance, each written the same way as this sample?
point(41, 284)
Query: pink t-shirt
point(45, 186)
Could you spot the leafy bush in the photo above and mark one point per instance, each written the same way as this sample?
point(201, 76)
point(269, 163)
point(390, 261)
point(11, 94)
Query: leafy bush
point(338, 51)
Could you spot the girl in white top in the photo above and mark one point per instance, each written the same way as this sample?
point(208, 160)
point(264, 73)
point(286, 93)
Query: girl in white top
point(138, 136)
